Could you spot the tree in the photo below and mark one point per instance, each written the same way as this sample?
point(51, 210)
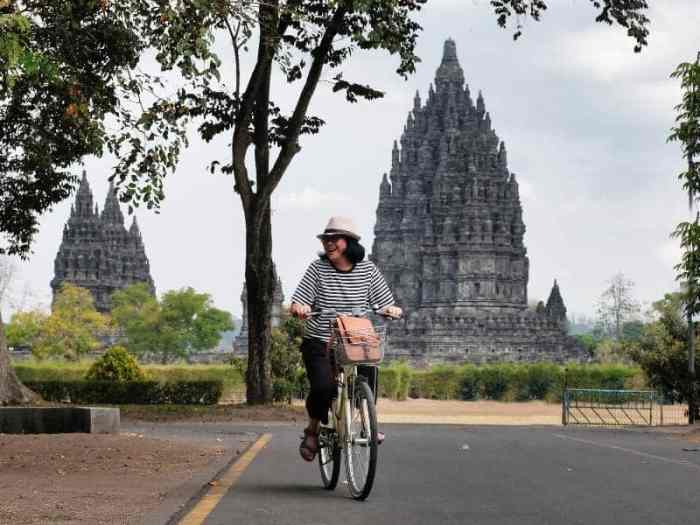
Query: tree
point(662, 350)
point(687, 132)
point(64, 69)
point(285, 359)
point(182, 323)
point(73, 328)
point(616, 305)
point(305, 39)
point(25, 327)
point(137, 314)
point(11, 390)
point(195, 319)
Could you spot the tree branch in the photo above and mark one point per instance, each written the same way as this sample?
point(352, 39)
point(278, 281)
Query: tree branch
point(290, 147)
point(241, 136)
point(268, 42)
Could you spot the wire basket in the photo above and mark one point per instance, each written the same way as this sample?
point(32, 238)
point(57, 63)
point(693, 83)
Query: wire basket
point(353, 347)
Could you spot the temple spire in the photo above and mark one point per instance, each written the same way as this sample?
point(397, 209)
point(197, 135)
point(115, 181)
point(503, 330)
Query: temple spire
point(384, 188)
point(416, 101)
point(555, 308)
point(83, 200)
point(111, 212)
point(134, 230)
point(450, 72)
point(480, 105)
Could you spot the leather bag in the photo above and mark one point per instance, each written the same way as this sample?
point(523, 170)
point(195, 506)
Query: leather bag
point(357, 340)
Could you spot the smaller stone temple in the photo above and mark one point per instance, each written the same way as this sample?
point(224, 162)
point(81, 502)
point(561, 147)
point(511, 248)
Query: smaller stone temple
point(98, 252)
point(240, 344)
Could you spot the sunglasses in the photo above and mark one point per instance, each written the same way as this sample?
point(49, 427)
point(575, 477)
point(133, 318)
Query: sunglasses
point(331, 239)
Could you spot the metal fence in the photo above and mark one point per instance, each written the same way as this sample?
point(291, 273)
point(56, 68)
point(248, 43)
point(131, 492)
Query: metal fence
point(607, 407)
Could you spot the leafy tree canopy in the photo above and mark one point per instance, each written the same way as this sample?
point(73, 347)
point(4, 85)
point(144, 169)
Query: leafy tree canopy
point(662, 349)
point(183, 322)
point(65, 67)
point(74, 326)
point(24, 327)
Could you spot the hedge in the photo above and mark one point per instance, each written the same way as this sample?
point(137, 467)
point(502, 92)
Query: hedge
point(130, 392)
point(32, 371)
point(503, 381)
point(395, 381)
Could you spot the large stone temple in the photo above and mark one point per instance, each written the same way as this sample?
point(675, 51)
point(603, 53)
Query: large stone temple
point(449, 239)
point(98, 252)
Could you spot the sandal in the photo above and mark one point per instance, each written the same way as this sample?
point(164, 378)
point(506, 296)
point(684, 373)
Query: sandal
point(309, 445)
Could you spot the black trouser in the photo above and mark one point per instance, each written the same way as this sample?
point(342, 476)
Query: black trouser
point(319, 370)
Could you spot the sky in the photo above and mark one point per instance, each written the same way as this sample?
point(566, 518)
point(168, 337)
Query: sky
point(585, 121)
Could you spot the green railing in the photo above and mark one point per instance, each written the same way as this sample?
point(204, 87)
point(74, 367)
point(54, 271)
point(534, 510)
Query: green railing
point(607, 407)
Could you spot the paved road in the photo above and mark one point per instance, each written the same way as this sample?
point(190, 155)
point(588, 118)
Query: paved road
point(480, 475)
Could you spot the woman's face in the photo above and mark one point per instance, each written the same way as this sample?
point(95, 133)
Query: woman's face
point(334, 246)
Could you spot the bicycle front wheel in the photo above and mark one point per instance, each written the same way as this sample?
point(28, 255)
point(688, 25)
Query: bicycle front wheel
point(361, 449)
point(329, 457)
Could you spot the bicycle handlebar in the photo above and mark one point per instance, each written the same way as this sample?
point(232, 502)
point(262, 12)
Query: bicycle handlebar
point(355, 312)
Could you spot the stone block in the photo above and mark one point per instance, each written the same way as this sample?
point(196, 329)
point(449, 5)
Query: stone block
point(59, 420)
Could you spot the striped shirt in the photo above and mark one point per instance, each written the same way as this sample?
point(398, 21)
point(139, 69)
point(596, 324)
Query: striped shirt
point(324, 287)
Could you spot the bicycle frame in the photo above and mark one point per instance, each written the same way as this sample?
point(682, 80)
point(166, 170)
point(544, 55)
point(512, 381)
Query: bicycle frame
point(340, 407)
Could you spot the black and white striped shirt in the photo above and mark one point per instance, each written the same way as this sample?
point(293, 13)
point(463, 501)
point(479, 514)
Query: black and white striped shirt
point(324, 287)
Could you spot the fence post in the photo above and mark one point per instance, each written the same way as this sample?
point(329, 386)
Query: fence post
point(564, 399)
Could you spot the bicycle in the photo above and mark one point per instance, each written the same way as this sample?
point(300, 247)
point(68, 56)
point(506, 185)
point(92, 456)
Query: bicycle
point(352, 426)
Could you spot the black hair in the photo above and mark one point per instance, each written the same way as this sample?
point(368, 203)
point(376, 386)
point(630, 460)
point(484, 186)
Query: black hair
point(355, 252)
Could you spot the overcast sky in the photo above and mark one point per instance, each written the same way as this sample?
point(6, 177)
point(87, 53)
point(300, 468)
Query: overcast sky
point(585, 122)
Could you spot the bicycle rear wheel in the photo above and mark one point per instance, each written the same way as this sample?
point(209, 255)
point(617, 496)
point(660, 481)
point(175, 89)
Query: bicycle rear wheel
point(361, 451)
point(329, 457)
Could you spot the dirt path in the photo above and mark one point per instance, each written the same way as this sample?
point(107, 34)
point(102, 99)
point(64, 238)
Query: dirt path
point(93, 479)
point(469, 413)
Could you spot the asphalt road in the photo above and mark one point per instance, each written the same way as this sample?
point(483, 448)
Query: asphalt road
point(479, 475)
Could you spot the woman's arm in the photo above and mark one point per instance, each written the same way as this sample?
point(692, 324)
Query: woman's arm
point(305, 294)
point(380, 295)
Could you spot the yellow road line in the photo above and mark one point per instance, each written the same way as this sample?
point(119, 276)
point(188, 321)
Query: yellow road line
point(213, 496)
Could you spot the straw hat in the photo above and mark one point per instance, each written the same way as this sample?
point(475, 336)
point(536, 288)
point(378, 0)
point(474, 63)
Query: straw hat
point(340, 226)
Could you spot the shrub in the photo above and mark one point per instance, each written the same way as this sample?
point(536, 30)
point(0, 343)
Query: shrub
point(542, 380)
point(130, 392)
point(405, 378)
point(438, 382)
point(494, 381)
point(395, 381)
point(388, 382)
point(116, 364)
point(417, 389)
point(470, 383)
point(517, 377)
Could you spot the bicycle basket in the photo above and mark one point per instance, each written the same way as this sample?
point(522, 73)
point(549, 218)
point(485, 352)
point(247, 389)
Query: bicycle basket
point(355, 340)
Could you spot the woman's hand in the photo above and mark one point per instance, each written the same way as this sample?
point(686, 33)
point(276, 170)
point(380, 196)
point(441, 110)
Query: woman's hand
point(392, 311)
point(300, 311)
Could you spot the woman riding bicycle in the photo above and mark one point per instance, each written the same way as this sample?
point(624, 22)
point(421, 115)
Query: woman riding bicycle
point(340, 280)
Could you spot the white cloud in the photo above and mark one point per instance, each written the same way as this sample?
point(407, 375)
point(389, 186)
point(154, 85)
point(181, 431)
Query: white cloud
point(669, 252)
point(527, 190)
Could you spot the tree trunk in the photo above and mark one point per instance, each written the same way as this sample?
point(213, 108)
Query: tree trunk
point(692, 391)
point(12, 392)
point(260, 284)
